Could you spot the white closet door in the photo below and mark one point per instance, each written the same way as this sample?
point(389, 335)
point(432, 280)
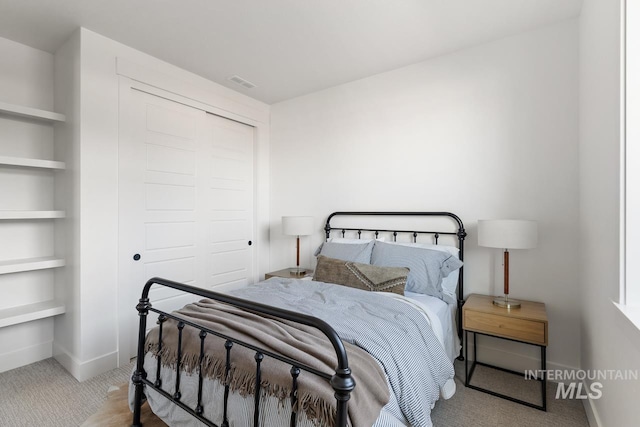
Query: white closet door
point(228, 182)
point(186, 203)
point(158, 200)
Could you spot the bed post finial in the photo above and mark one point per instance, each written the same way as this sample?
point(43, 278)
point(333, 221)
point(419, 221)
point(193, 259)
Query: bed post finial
point(343, 384)
point(327, 230)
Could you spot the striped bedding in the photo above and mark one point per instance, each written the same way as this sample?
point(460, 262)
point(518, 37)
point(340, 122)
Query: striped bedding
point(395, 331)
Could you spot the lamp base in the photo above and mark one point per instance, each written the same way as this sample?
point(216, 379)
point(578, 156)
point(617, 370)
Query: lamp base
point(506, 302)
point(297, 272)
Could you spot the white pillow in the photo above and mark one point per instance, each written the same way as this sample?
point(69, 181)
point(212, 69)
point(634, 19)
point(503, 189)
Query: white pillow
point(450, 282)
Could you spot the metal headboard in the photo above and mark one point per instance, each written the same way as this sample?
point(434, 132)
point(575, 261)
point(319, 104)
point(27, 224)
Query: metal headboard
point(460, 233)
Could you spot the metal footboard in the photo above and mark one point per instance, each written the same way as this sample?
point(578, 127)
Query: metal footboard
point(341, 381)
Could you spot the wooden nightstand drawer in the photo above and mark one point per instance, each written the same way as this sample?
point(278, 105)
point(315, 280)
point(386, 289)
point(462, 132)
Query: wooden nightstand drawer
point(527, 324)
point(505, 327)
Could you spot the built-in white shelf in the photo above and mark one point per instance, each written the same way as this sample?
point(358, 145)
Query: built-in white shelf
point(30, 264)
point(29, 312)
point(31, 214)
point(32, 113)
point(32, 163)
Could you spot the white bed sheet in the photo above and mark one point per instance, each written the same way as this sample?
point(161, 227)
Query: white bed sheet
point(447, 315)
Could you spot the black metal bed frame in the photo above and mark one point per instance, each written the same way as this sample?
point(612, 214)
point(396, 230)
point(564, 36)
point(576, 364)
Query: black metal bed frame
point(460, 233)
point(341, 381)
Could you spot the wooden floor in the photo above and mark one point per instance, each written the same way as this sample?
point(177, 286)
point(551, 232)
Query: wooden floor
point(115, 412)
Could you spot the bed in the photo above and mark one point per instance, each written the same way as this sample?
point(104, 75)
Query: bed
point(319, 353)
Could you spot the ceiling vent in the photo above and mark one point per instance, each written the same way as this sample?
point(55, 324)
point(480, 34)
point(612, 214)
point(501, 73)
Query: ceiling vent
point(242, 82)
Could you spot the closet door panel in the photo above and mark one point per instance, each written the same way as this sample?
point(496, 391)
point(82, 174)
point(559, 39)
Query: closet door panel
point(186, 201)
point(158, 201)
point(230, 187)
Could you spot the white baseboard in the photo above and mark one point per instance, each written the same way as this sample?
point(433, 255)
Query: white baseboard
point(514, 361)
point(25, 356)
point(84, 370)
point(590, 409)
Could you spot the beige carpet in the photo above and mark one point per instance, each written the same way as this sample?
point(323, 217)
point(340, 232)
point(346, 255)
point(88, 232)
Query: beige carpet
point(467, 408)
point(44, 394)
point(474, 408)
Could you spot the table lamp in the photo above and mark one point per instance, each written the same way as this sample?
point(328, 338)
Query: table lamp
point(507, 234)
point(297, 226)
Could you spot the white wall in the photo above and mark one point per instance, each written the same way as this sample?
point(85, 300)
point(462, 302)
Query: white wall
point(26, 79)
point(608, 340)
point(94, 275)
point(27, 75)
point(67, 147)
point(632, 151)
point(487, 132)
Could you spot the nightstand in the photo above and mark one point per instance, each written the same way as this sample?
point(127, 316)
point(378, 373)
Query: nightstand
point(527, 324)
point(286, 273)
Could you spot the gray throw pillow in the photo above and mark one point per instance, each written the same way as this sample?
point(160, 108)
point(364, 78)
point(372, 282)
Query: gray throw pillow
point(361, 276)
point(356, 252)
point(427, 267)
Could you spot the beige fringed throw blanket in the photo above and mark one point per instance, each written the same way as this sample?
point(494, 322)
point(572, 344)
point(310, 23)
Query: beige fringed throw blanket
point(302, 343)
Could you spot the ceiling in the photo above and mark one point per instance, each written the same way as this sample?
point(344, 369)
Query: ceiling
point(287, 48)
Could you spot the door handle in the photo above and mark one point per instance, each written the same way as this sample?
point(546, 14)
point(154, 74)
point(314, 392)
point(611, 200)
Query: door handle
point(136, 257)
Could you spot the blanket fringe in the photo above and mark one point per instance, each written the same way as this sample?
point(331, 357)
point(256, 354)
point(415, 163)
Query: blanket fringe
point(318, 411)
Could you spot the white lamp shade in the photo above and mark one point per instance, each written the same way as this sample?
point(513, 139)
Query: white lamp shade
point(297, 225)
point(508, 233)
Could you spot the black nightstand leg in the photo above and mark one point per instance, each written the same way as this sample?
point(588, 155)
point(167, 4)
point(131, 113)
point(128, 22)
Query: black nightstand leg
point(475, 347)
point(466, 358)
point(543, 357)
point(469, 373)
